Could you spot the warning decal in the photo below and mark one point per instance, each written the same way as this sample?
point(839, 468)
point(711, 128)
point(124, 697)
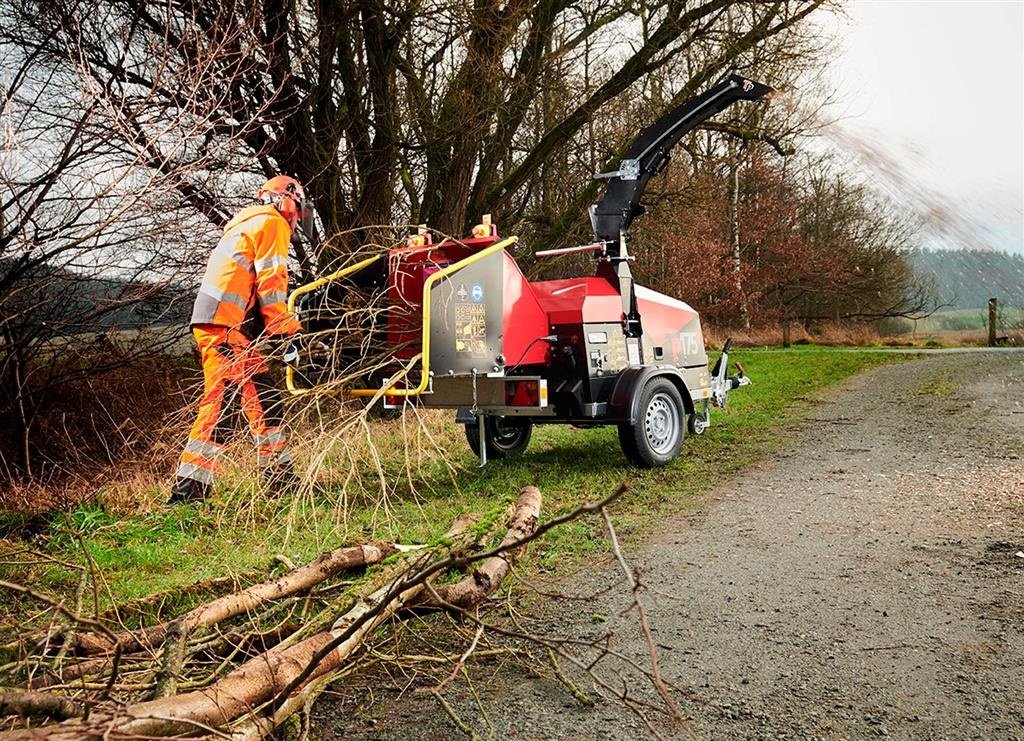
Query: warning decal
point(471, 329)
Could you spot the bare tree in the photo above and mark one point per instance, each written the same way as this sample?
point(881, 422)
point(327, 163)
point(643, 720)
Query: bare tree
point(98, 237)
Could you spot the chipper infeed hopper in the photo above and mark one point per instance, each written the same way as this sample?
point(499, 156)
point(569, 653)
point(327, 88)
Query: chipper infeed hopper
point(466, 330)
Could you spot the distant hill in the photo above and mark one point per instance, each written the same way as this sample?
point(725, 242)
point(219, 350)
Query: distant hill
point(969, 278)
point(69, 303)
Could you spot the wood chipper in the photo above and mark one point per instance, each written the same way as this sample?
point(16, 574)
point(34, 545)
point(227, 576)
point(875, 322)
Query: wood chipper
point(466, 330)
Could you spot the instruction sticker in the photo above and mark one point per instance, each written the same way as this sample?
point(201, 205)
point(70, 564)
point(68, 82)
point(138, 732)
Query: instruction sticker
point(471, 329)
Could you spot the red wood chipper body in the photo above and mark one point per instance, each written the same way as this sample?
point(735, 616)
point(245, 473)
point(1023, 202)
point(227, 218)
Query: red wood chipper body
point(466, 330)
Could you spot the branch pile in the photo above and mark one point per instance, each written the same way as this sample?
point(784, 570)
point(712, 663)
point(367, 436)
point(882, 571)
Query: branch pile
point(242, 664)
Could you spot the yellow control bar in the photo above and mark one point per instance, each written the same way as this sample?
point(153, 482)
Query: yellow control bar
point(289, 373)
point(302, 290)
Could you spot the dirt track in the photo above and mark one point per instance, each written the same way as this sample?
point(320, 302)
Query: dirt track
point(866, 582)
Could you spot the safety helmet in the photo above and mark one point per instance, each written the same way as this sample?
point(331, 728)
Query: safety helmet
point(286, 194)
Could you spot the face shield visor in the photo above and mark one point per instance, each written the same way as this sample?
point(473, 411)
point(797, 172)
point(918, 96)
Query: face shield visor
point(305, 227)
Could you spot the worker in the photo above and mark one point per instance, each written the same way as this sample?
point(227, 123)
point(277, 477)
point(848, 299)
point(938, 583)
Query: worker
point(243, 298)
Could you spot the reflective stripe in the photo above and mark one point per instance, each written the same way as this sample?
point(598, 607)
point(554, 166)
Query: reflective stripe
point(203, 448)
point(270, 262)
point(205, 309)
point(276, 297)
point(231, 298)
point(196, 473)
point(241, 260)
point(270, 437)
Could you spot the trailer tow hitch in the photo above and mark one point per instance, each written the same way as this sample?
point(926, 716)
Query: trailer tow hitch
point(721, 385)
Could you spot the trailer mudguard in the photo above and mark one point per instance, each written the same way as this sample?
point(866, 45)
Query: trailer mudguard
point(625, 398)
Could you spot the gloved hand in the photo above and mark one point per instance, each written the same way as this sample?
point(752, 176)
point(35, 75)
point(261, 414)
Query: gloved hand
point(292, 355)
point(301, 347)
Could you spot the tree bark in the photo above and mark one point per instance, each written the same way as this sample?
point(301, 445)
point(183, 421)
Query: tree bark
point(479, 585)
point(29, 704)
point(300, 580)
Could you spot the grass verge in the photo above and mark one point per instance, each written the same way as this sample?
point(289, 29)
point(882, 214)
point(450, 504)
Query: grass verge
point(411, 493)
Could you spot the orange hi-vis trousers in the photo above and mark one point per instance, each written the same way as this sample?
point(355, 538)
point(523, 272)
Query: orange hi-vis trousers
point(234, 376)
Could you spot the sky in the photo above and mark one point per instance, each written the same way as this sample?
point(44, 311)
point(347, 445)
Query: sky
point(930, 97)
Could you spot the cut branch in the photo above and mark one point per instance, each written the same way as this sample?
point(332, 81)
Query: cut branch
point(29, 704)
point(300, 580)
point(479, 585)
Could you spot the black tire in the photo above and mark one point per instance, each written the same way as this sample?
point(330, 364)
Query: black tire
point(505, 436)
point(657, 437)
point(695, 424)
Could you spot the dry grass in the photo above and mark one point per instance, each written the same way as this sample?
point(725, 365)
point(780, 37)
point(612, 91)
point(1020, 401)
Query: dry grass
point(855, 334)
point(831, 334)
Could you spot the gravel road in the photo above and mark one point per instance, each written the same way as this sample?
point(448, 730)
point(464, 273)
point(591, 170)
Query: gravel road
point(867, 581)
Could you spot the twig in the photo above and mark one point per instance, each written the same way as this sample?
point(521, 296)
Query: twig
point(582, 697)
point(462, 660)
point(460, 724)
point(645, 628)
point(115, 662)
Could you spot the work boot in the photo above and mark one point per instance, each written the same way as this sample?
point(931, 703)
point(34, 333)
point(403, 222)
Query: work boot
point(281, 479)
point(188, 490)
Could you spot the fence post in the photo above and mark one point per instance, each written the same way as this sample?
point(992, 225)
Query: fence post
point(785, 334)
point(992, 322)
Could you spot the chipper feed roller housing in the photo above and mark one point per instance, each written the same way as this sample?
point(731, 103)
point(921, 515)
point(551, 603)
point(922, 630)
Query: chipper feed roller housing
point(464, 329)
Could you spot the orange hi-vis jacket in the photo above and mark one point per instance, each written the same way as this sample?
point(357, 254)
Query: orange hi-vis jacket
point(246, 281)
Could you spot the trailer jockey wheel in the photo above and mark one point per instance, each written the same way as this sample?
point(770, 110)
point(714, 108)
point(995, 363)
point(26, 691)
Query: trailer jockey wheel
point(696, 423)
point(505, 435)
point(657, 436)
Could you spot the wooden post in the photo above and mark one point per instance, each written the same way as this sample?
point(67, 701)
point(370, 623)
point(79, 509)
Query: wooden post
point(785, 334)
point(992, 322)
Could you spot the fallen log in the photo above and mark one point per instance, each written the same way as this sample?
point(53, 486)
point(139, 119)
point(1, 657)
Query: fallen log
point(262, 678)
point(523, 523)
point(224, 608)
point(263, 692)
point(486, 577)
point(29, 704)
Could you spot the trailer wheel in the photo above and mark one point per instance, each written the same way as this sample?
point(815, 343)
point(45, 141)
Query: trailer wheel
point(505, 435)
point(657, 436)
point(696, 424)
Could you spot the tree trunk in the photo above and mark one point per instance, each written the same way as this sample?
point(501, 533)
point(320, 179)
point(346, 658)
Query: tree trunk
point(734, 232)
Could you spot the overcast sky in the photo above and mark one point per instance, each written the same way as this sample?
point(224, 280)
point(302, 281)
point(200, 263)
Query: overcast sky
point(932, 94)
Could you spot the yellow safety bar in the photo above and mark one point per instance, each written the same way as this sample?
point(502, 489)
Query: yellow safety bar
point(302, 290)
point(289, 373)
point(425, 352)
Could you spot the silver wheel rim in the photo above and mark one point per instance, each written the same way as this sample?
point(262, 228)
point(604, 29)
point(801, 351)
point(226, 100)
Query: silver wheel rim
point(506, 435)
point(662, 424)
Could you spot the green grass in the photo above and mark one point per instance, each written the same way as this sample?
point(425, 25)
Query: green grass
point(243, 533)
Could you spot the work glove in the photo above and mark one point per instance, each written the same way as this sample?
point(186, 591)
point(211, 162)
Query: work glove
point(309, 349)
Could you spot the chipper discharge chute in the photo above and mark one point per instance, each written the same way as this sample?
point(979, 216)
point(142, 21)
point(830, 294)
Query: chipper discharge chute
point(464, 329)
